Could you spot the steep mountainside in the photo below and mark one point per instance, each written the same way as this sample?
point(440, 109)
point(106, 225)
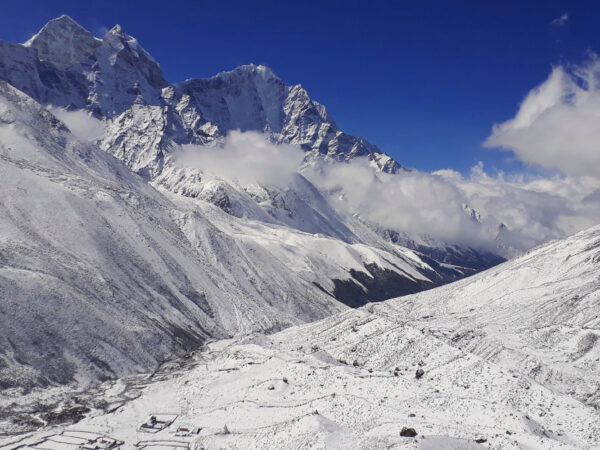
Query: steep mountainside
point(110, 265)
point(507, 359)
point(101, 275)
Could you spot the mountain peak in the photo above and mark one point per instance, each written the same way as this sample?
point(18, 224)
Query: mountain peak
point(63, 42)
point(63, 21)
point(252, 69)
point(117, 30)
point(118, 39)
point(61, 26)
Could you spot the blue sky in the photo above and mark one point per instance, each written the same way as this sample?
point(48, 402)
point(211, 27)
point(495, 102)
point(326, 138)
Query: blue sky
point(423, 80)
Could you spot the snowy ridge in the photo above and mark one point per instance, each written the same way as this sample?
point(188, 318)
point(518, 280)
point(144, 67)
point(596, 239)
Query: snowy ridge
point(64, 65)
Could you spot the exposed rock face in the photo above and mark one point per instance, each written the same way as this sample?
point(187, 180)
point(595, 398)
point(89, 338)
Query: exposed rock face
point(64, 43)
point(64, 65)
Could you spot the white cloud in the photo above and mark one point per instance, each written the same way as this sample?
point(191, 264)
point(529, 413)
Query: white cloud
point(245, 157)
point(414, 202)
point(535, 209)
point(560, 21)
point(82, 125)
point(556, 126)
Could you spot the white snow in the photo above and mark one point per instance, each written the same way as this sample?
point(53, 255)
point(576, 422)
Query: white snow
point(110, 266)
point(348, 381)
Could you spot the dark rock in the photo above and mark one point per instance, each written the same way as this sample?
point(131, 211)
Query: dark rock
point(70, 415)
point(480, 440)
point(375, 285)
point(419, 373)
point(408, 432)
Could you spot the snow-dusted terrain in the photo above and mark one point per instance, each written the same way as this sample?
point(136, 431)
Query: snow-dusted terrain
point(114, 258)
point(508, 358)
point(103, 276)
point(137, 289)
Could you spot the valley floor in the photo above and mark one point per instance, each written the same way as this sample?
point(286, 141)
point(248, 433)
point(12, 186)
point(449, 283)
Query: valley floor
point(349, 381)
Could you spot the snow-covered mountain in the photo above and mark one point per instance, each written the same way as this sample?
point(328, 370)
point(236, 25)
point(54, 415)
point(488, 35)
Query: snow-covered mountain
point(148, 120)
point(113, 258)
point(508, 358)
point(64, 65)
point(103, 275)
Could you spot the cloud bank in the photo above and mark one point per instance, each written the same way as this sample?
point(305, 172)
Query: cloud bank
point(557, 124)
point(430, 205)
point(535, 210)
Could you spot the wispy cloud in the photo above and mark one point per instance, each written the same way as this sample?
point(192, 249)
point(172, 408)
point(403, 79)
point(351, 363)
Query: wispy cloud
point(82, 125)
point(245, 158)
point(560, 21)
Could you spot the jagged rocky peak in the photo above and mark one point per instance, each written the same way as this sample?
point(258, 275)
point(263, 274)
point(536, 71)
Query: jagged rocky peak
point(64, 43)
point(130, 55)
point(254, 70)
point(65, 65)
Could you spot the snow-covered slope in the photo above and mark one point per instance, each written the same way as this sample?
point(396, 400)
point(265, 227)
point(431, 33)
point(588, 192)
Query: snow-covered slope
point(538, 314)
point(508, 358)
point(102, 275)
point(111, 265)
